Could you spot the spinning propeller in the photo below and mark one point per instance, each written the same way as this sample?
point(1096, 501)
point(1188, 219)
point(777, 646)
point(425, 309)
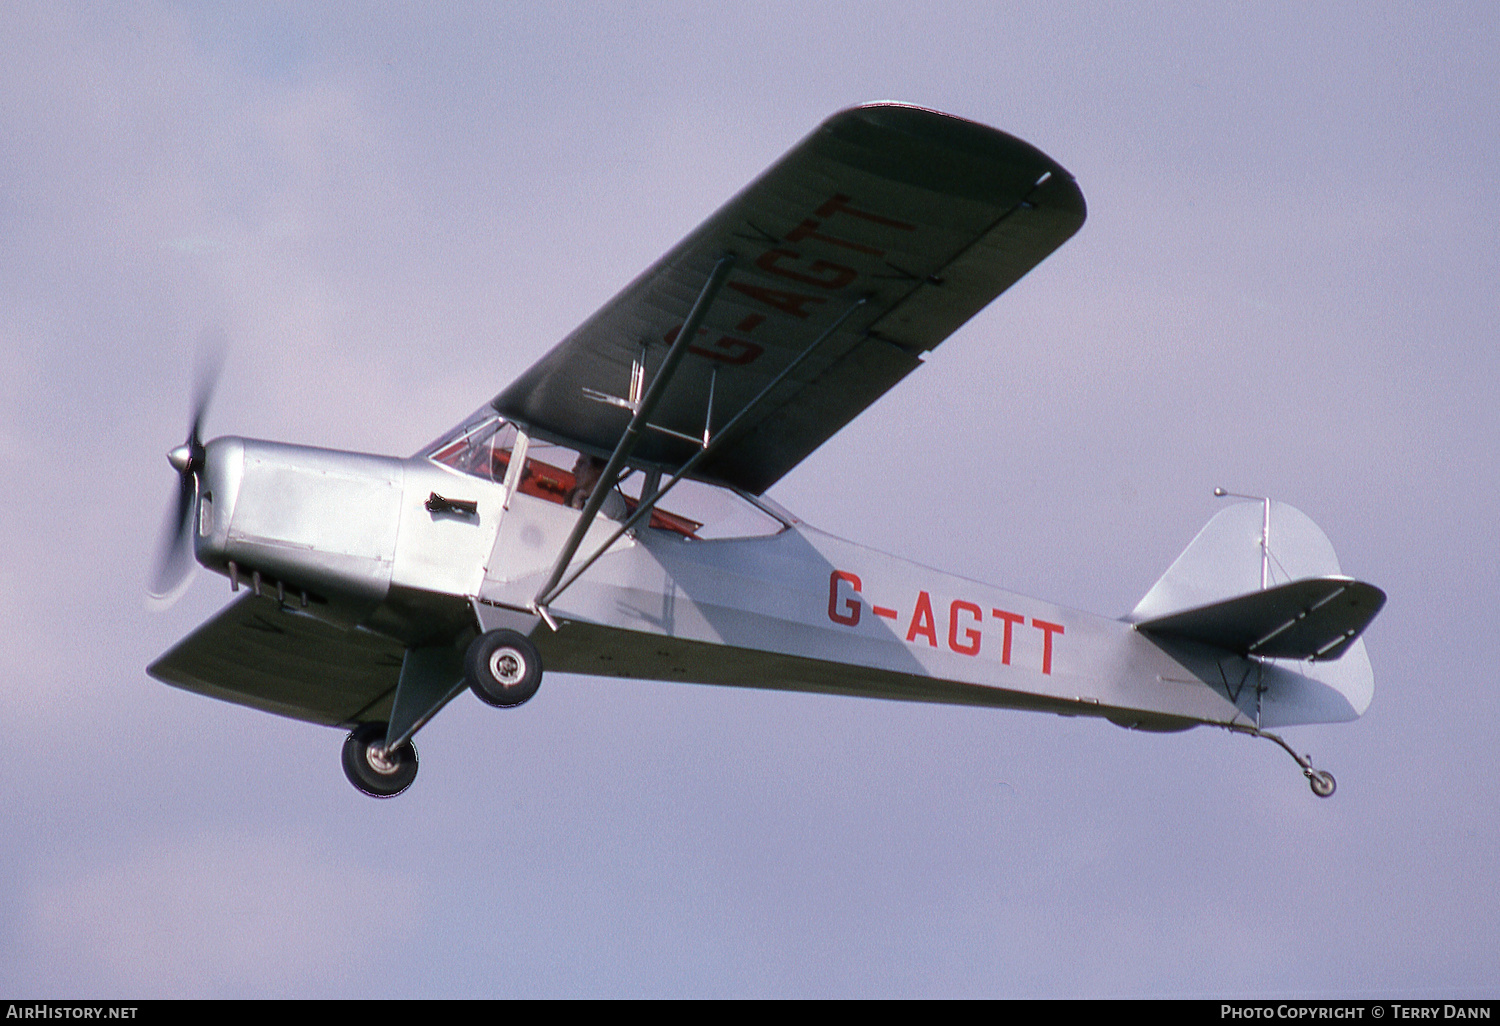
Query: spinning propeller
point(174, 556)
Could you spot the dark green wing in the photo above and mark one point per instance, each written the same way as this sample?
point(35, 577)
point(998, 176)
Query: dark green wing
point(254, 654)
point(925, 216)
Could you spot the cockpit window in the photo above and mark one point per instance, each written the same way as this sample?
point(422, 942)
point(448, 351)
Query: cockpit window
point(480, 446)
point(483, 445)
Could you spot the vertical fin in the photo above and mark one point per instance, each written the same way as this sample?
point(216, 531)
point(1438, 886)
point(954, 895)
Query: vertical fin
point(1224, 560)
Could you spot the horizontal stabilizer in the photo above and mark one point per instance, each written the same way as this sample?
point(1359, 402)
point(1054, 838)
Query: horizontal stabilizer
point(1316, 618)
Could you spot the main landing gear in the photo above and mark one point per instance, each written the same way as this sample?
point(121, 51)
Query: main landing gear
point(374, 769)
point(1321, 781)
point(503, 668)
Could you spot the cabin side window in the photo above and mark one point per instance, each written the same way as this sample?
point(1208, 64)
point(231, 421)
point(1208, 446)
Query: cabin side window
point(702, 512)
point(692, 510)
point(561, 474)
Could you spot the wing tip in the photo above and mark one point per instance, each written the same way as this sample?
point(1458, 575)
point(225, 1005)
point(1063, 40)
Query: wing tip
point(1006, 154)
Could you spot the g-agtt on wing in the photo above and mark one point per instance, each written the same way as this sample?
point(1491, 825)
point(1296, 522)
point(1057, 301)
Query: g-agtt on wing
point(864, 247)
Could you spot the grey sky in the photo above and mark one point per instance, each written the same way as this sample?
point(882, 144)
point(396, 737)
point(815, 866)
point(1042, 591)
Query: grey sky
point(1286, 285)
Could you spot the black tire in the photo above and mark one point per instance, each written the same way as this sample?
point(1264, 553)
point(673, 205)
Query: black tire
point(373, 770)
point(503, 668)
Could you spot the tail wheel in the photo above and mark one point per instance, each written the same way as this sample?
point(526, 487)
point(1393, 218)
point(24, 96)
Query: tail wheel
point(1322, 783)
point(503, 668)
point(372, 768)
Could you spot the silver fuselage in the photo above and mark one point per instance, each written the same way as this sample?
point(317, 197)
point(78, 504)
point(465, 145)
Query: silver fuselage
point(350, 539)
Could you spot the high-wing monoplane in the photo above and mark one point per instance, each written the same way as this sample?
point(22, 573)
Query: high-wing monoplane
point(607, 513)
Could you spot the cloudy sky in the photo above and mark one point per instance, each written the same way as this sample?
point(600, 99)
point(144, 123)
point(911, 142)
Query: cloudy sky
point(1286, 286)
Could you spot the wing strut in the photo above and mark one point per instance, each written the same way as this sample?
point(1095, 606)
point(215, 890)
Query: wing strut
point(631, 437)
point(649, 501)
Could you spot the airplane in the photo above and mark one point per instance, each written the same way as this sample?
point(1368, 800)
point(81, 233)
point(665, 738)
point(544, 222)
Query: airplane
point(607, 512)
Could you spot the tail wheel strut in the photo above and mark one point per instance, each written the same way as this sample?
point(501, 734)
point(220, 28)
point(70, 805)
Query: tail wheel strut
point(1321, 781)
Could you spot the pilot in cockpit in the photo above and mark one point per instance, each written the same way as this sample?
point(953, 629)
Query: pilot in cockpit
point(586, 472)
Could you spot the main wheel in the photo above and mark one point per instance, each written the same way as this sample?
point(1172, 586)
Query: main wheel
point(374, 770)
point(1322, 783)
point(503, 668)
